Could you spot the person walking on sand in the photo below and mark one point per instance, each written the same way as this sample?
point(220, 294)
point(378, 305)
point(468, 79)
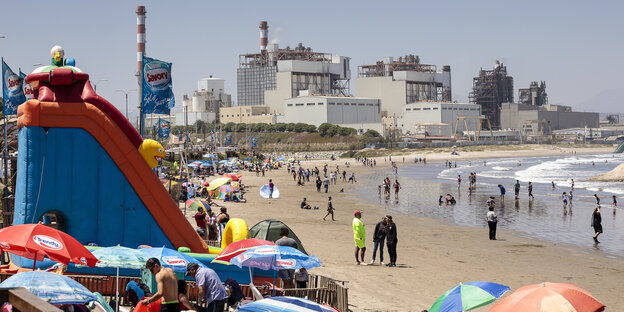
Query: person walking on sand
point(359, 236)
point(459, 180)
point(564, 197)
point(319, 183)
point(531, 191)
point(271, 186)
point(596, 223)
point(391, 241)
point(597, 199)
point(330, 209)
point(326, 184)
point(614, 201)
point(492, 220)
point(397, 187)
point(167, 284)
point(379, 238)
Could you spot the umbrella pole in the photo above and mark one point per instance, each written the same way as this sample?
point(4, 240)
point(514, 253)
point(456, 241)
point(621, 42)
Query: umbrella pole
point(34, 260)
point(117, 292)
point(274, 276)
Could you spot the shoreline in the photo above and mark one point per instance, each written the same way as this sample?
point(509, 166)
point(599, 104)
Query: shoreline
point(433, 256)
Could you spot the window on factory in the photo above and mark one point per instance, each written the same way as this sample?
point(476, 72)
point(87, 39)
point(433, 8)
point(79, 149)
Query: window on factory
point(454, 108)
point(330, 103)
point(408, 109)
point(435, 108)
point(320, 104)
point(418, 108)
point(310, 104)
point(339, 103)
point(426, 108)
point(369, 104)
point(289, 104)
point(353, 104)
point(361, 104)
point(299, 104)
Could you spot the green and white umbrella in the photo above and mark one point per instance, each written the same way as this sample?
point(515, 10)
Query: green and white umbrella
point(119, 257)
point(468, 296)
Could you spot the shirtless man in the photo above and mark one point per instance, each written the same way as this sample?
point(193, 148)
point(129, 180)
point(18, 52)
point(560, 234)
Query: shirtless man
point(167, 283)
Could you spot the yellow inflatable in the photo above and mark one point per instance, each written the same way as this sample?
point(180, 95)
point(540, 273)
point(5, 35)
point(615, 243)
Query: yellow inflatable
point(235, 230)
point(151, 150)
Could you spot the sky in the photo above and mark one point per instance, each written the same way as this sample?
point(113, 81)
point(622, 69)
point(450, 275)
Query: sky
point(575, 46)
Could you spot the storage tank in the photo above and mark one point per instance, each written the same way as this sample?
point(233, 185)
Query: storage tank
point(198, 103)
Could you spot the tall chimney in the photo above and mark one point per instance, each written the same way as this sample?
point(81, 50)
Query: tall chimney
point(140, 36)
point(264, 36)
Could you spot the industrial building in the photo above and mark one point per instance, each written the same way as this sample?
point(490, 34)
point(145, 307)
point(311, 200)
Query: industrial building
point(205, 103)
point(440, 119)
point(490, 89)
point(352, 112)
point(269, 77)
point(536, 120)
point(247, 114)
point(403, 81)
point(534, 95)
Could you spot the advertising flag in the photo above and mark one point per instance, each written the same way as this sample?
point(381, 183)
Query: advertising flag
point(228, 139)
point(157, 87)
point(12, 92)
point(163, 128)
point(29, 92)
point(254, 142)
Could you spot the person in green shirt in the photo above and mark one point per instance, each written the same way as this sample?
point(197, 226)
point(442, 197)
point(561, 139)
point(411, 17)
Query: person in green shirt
point(359, 236)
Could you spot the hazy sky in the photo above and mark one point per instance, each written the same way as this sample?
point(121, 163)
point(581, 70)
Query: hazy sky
point(575, 46)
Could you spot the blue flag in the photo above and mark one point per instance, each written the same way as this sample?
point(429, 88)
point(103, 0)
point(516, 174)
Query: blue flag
point(12, 92)
point(228, 139)
point(29, 92)
point(157, 87)
point(163, 128)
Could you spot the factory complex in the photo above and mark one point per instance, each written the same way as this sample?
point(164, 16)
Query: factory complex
point(399, 96)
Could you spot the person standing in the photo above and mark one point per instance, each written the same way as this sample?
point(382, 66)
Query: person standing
point(492, 220)
point(271, 186)
point(319, 183)
point(397, 187)
point(379, 238)
point(391, 240)
point(200, 220)
point(597, 223)
point(167, 283)
point(531, 191)
point(326, 184)
point(211, 291)
point(517, 189)
point(287, 275)
point(597, 199)
point(502, 192)
point(564, 197)
point(614, 201)
point(330, 209)
point(302, 277)
point(459, 180)
point(359, 236)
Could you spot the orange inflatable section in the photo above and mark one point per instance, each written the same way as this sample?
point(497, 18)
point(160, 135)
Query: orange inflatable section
point(145, 183)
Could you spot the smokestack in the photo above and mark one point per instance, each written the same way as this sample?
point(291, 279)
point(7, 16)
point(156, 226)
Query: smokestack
point(264, 36)
point(140, 36)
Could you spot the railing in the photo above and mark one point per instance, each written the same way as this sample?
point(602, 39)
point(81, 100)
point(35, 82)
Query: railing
point(23, 300)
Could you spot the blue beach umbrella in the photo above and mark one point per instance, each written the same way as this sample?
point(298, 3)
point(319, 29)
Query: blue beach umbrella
point(51, 287)
point(284, 303)
point(468, 296)
point(170, 258)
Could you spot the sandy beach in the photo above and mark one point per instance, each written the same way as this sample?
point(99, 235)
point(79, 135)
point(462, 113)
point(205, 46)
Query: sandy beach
point(432, 256)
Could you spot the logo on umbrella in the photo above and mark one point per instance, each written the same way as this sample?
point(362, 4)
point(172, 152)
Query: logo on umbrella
point(285, 263)
point(174, 261)
point(83, 260)
point(5, 245)
point(47, 242)
point(265, 251)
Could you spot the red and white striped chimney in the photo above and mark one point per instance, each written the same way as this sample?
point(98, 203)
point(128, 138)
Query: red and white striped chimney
point(140, 36)
point(264, 35)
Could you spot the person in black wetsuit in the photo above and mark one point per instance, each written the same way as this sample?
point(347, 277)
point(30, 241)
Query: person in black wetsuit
point(597, 223)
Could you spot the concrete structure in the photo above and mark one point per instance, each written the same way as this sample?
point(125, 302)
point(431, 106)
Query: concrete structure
point(534, 95)
point(205, 103)
point(490, 89)
point(247, 114)
point(534, 120)
point(404, 81)
point(438, 118)
point(316, 110)
point(273, 75)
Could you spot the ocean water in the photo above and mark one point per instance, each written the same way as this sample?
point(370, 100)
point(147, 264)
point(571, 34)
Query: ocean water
point(541, 218)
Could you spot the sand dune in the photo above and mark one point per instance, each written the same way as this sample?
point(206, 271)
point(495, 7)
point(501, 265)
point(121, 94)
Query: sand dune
point(615, 175)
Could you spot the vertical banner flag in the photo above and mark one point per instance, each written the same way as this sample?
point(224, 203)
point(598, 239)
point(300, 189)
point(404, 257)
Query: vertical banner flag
point(180, 136)
point(12, 92)
point(29, 92)
point(228, 139)
point(157, 87)
point(254, 142)
point(211, 136)
point(163, 128)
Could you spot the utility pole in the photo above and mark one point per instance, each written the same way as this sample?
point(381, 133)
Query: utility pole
point(126, 94)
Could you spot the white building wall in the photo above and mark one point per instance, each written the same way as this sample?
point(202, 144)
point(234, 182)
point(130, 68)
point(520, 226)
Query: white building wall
point(392, 94)
point(275, 98)
point(317, 110)
point(436, 112)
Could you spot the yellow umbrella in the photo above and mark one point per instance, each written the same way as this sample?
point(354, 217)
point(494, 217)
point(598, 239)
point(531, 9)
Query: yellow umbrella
point(216, 183)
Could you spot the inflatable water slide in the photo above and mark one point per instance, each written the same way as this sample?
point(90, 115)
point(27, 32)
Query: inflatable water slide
point(81, 161)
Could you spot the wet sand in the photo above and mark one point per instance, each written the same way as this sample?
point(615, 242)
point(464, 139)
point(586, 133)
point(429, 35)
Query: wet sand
point(433, 256)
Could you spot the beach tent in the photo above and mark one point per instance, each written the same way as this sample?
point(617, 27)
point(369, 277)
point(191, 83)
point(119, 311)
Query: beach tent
point(270, 230)
point(265, 191)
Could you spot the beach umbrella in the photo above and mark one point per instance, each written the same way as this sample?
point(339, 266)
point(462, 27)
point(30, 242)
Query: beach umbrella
point(275, 258)
point(468, 296)
point(119, 257)
point(236, 248)
point(34, 241)
point(233, 176)
point(170, 258)
point(198, 203)
point(51, 287)
point(216, 183)
point(192, 165)
point(551, 297)
point(226, 189)
point(284, 303)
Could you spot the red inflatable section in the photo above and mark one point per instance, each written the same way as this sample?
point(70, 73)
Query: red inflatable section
point(75, 105)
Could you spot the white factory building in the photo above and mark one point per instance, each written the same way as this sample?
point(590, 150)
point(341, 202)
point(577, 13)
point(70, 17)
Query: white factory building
point(204, 103)
point(403, 81)
point(439, 119)
point(352, 112)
